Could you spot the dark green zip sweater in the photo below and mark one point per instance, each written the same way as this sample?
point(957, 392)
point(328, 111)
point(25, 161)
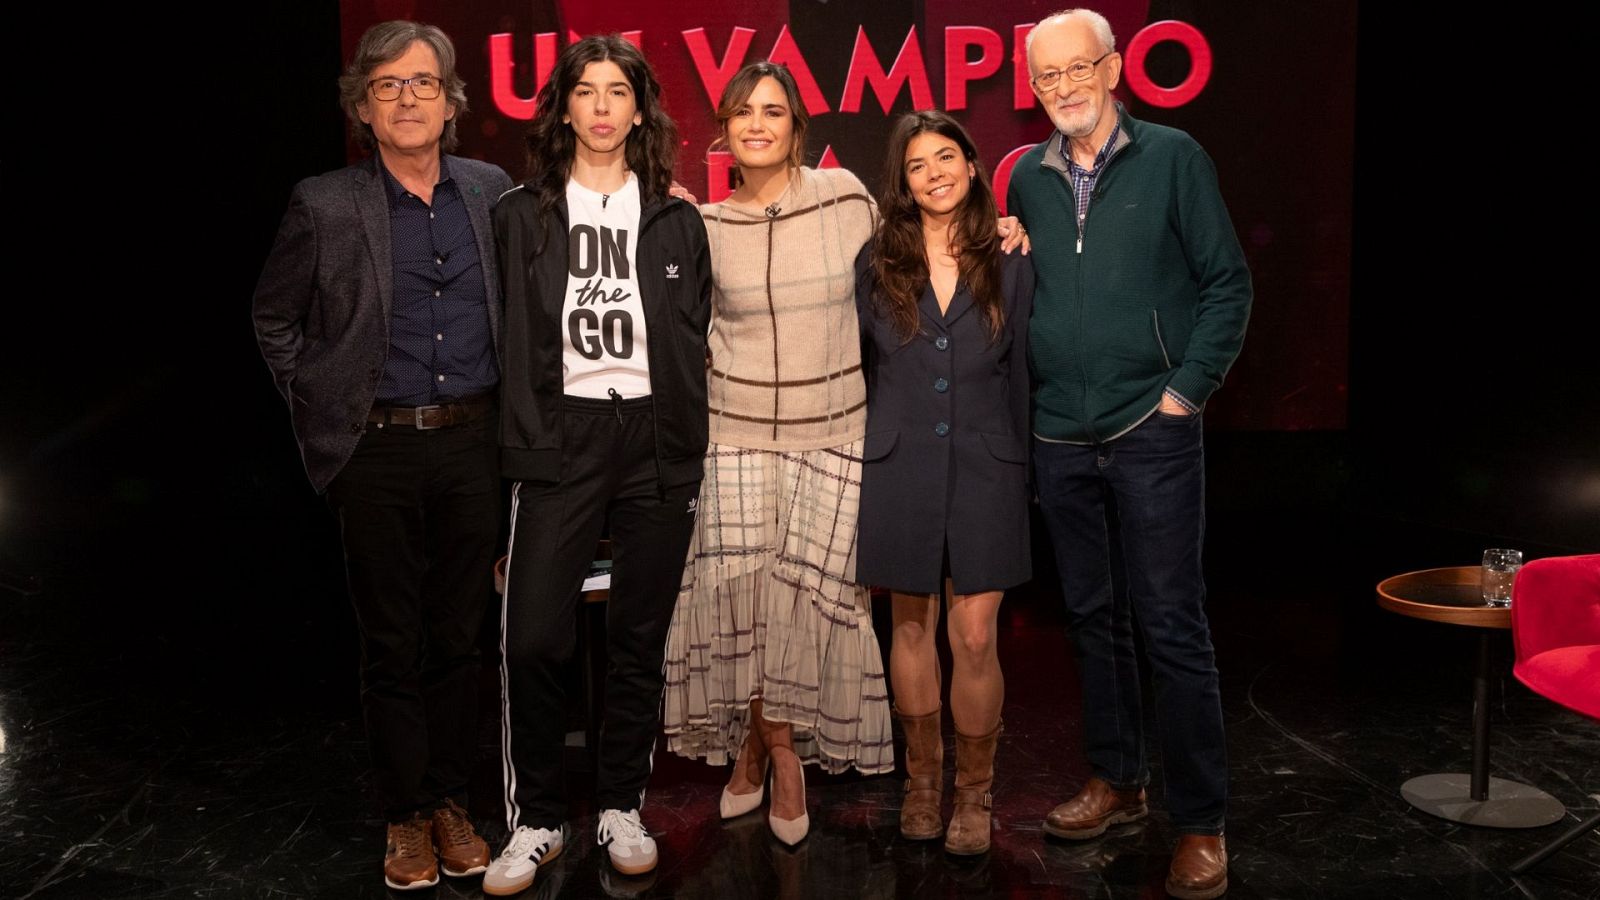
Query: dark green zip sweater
point(1157, 294)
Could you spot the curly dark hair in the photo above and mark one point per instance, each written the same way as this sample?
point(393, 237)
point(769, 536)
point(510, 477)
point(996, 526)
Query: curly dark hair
point(652, 146)
point(898, 252)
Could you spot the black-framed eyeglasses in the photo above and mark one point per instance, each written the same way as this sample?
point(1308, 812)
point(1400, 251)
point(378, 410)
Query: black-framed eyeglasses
point(423, 87)
point(1078, 71)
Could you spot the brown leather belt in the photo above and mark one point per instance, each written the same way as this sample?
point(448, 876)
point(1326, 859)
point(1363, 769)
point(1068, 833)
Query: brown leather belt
point(442, 415)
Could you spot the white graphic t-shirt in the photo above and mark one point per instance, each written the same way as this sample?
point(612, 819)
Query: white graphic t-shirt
point(603, 319)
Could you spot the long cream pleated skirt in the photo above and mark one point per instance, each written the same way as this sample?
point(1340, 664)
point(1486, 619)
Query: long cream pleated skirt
point(769, 610)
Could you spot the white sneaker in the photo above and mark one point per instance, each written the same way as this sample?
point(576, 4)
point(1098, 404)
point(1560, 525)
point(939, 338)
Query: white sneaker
point(512, 871)
point(632, 849)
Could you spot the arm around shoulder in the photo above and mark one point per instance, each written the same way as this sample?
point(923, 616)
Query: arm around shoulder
point(866, 282)
point(1014, 203)
point(492, 178)
point(516, 238)
point(1019, 303)
point(501, 182)
point(700, 252)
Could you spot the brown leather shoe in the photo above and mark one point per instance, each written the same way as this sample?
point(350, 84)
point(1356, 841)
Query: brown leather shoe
point(1097, 807)
point(920, 815)
point(461, 851)
point(409, 863)
point(1199, 867)
point(969, 831)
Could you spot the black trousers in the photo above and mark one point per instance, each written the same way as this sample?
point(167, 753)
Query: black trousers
point(419, 512)
point(608, 474)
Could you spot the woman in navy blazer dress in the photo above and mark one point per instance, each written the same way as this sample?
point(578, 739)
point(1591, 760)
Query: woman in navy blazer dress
point(944, 319)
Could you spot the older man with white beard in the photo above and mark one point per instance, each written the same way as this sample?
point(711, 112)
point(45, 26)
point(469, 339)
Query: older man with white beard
point(1140, 309)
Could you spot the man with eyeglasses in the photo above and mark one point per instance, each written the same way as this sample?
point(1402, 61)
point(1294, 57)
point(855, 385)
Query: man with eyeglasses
point(1141, 305)
point(378, 312)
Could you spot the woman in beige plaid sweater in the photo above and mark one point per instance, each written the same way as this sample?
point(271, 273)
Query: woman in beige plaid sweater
point(772, 659)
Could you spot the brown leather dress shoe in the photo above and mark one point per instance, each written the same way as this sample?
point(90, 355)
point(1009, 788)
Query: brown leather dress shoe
point(461, 851)
point(1199, 867)
point(1097, 807)
point(409, 863)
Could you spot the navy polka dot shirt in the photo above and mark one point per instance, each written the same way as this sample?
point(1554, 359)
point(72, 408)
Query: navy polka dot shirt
point(440, 346)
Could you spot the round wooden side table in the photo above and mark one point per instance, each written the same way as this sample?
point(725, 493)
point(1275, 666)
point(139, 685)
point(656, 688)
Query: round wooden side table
point(1451, 595)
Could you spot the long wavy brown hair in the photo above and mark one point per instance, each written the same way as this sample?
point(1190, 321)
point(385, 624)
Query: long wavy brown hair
point(898, 251)
point(652, 146)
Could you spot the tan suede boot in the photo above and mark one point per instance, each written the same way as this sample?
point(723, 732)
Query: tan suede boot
point(968, 834)
point(920, 818)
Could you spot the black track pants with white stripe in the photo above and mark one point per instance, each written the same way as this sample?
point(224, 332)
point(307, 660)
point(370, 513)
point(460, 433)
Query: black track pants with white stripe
point(609, 476)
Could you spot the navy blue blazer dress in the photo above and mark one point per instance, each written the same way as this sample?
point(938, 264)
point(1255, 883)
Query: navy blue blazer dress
point(946, 450)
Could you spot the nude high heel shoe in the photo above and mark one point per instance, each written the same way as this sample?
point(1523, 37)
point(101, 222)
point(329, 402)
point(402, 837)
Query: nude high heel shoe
point(734, 805)
point(791, 831)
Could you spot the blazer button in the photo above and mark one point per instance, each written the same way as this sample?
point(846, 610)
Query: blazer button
point(358, 427)
point(941, 342)
point(941, 385)
point(941, 429)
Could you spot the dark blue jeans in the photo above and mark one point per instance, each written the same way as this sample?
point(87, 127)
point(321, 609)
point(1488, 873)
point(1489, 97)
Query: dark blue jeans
point(1155, 476)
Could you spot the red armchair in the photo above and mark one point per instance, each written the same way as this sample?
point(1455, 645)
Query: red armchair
point(1555, 627)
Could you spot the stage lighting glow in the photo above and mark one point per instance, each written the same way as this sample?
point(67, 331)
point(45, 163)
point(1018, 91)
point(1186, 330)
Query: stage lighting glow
point(1587, 496)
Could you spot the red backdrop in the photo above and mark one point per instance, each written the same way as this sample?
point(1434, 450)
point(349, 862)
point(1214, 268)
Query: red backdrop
point(1268, 91)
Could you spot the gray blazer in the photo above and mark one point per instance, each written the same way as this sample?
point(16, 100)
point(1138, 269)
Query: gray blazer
point(323, 302)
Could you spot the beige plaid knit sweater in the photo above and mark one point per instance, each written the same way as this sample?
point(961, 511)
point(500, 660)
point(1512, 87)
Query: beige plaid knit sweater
point(785, 349)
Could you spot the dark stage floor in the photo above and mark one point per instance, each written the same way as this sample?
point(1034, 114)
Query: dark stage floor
point(179, 719)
